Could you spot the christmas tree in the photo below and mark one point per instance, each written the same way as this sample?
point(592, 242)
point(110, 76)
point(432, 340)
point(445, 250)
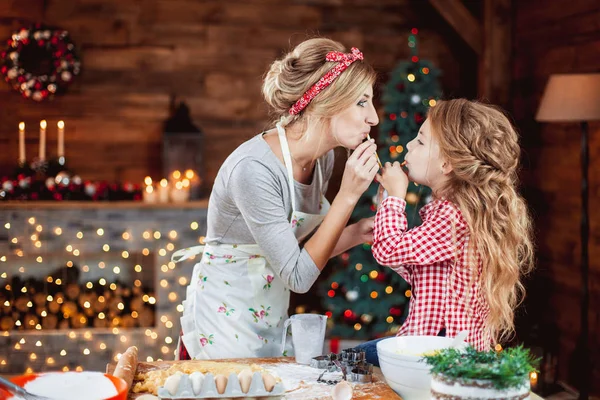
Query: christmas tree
point(364, 299)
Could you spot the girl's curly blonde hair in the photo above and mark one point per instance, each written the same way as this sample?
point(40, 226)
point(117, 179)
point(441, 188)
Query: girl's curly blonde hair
point(483, 149)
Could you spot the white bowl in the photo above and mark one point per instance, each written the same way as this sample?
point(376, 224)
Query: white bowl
point(400, 361)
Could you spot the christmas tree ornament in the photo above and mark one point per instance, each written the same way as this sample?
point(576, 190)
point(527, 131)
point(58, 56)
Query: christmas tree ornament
point(62, 178)
point(352, 295)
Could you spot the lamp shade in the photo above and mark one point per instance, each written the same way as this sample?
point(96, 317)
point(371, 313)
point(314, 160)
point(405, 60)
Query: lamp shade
point(570, 97)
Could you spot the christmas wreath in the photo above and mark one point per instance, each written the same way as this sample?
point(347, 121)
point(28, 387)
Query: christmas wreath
point(39, 62)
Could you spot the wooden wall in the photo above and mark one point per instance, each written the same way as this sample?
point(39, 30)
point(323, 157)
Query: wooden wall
point(558, 37)
point(212, 54)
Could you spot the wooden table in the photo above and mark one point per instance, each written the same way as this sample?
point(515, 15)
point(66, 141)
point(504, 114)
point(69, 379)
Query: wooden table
point(310, 390)
point(378, 389)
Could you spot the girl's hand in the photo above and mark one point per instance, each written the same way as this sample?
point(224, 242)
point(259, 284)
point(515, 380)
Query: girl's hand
point(360, 170)
point(364, 229)
point(394, 179)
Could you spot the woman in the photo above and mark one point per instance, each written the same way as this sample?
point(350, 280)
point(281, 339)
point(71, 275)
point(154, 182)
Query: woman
point(270, 228)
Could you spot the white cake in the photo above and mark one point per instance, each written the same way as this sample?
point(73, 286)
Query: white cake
point(447, 388)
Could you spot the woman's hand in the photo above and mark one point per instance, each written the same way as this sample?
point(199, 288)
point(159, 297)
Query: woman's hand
point(360, 170)
point(393, 179)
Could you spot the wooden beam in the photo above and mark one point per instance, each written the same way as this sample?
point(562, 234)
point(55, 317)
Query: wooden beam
point(495, 69)
point(461, 19)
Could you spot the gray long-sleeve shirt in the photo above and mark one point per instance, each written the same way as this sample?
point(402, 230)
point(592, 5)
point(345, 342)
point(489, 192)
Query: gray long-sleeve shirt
point(250, 203)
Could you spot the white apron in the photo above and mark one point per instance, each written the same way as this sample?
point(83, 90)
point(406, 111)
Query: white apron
point(235, 303)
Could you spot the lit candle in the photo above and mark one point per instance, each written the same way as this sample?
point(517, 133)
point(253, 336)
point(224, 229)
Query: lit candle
point(43, 140)
point(163, 191)
point(149, 194)
point(533, 380)
point(61, 139)
point(21, 142)
point(181, 192)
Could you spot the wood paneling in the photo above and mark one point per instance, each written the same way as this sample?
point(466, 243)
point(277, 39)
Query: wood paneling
point(559, 37)
point(137, 55)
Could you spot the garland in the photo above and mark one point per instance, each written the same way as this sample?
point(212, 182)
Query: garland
point(39, 62)
point(505, 369)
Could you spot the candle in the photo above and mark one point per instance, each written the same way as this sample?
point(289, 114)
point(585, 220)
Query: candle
point(43, 140)
point(163, 191)
point(195, 183)
point(533, 380)
point(180, 193)
point(21, 142)
point(61, 139)
point(149, 194)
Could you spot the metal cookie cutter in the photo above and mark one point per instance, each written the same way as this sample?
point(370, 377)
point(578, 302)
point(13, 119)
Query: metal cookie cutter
point(321, 362)
point(352, 356)
point(362, 374)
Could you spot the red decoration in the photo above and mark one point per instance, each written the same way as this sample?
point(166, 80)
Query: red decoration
point(415, 59)
point(414, 31)
point(395, 311)
point(41, 46)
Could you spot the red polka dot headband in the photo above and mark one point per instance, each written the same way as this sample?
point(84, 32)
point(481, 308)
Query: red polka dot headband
point(344, 60)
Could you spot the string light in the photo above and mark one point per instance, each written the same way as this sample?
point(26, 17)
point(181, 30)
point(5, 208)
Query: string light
point(87, 304)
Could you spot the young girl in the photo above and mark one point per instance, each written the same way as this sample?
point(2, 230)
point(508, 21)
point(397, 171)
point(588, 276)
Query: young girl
point(465, 261)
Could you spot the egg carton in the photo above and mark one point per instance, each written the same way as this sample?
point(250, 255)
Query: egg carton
point(233, 388)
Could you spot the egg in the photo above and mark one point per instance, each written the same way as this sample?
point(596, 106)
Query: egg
point(147, 397)
point(196, 378)
point(269, 381)
point(172, 382)
point(245, 378)
point(342, 391)
point(221, 382)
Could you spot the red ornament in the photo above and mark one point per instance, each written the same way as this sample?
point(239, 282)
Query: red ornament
point(414, 31)
point(393, 117)
point(415, 59)
point(395, 311)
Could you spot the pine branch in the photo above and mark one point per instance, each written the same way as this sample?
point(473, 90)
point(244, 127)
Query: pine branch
point(505, 369)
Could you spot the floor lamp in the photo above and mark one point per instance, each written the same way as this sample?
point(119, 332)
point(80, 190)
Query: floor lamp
point(576, 98)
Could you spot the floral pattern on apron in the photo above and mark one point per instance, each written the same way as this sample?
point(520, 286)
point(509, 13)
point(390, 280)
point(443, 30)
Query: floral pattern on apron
point(235, 303)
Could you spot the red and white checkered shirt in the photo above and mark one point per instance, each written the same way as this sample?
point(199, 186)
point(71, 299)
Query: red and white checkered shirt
point(432, 259)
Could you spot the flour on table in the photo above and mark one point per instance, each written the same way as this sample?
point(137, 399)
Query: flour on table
point(300, 381)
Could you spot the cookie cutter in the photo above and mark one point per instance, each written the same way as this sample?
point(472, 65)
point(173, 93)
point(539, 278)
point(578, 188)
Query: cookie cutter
point(363, 374)
point(353, 356)
point(320, 362)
